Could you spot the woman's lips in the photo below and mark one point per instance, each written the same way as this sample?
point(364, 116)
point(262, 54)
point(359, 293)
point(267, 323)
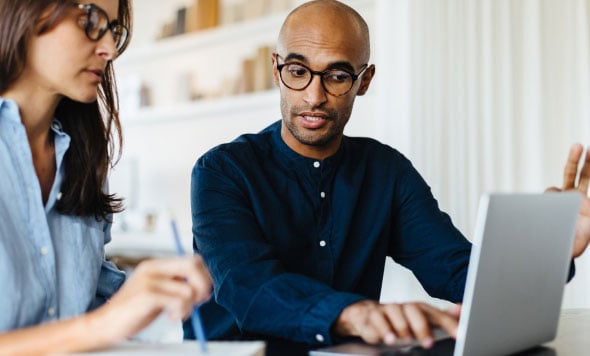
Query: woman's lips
point(96, 74)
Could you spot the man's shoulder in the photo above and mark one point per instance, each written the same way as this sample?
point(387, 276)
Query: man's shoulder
point(374, 149)
point(244, 148)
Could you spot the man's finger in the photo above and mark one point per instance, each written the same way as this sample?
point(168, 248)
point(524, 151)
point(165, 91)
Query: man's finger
point(375, 328)
point(446, 320)
point(585, 174)
point(419, 324)
point(571, 167)
point(397, 319)
point(455, 310)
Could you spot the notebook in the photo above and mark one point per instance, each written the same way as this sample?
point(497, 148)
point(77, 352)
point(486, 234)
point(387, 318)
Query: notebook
point(519, 265)
point(188, 348)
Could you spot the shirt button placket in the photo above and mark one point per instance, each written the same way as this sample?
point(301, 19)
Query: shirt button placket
point(322, 243)
point(319, 337)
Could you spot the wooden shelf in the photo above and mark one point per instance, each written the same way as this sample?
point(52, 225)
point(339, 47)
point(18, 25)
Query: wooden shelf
point(222, 35)
point(140, 244)
point(205, 108)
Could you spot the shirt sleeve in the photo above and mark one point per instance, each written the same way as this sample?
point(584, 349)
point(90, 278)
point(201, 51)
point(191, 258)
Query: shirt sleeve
point(249, 279)
point(110, 278)
point(429, 244)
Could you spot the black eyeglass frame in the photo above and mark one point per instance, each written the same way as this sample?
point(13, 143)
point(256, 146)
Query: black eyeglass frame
point(110, 25)
point(321, 74)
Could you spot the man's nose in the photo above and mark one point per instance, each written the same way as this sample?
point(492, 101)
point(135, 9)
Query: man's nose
point(315, 94)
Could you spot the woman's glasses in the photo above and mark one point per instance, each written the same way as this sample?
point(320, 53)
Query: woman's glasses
point(96, 23)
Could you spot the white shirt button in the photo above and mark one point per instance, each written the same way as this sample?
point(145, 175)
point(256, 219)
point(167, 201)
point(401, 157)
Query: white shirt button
point(323, 195)
point(316, 164)
point(319, 337)
point(51, 311)
point(58, 196)
point(323, 243)
point(44, 250)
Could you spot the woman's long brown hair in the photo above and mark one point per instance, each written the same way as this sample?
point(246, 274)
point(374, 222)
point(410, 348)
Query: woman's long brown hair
point(94, 128)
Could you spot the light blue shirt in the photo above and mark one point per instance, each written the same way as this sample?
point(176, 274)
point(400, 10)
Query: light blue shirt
point(52, 266)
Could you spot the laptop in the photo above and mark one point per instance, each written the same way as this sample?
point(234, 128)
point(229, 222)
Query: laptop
point(517, 273)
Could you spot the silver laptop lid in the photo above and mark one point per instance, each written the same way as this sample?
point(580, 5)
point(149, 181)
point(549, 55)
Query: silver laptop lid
point(517, 272)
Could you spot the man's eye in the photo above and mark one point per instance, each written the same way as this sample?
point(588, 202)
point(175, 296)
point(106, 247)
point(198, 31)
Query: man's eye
point(297, 71)
point(337, 76)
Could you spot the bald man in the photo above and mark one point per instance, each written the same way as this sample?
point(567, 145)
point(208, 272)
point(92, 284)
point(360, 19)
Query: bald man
point(295, 222)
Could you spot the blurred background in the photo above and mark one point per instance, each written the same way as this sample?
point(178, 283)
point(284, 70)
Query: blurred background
point(481, 95)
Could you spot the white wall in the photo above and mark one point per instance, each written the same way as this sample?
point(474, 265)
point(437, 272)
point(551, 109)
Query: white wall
point(485, 95)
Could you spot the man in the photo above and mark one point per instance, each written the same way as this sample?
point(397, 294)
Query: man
point(295, 222)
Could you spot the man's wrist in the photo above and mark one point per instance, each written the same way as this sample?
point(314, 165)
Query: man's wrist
point(343, 327)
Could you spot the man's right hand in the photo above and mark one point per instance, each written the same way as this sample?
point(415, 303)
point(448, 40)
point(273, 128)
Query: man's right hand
point(385, 323)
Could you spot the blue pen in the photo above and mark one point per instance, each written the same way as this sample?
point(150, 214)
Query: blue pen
point(195, 315)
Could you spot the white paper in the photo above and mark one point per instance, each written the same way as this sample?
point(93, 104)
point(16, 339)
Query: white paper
point(214, 348)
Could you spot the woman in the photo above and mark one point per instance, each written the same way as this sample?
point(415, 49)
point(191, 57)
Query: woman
point(56, 146)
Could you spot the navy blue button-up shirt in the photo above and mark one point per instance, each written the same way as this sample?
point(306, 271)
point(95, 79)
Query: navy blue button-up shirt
point(291, 241)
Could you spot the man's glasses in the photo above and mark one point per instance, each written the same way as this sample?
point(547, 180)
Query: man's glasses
point(336, 82)
point(97, 23)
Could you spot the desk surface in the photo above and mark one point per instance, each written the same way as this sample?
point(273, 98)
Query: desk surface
point(573, 334)
point(573, 339)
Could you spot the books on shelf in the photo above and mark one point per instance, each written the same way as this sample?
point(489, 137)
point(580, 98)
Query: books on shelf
point(202, 14)
point(256, 72)
point(198, 15)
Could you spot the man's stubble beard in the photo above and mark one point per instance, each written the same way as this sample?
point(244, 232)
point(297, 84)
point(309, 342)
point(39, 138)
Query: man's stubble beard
point(338, 122)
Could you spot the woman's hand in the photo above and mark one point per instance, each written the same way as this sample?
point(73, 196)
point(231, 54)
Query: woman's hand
point(173, 285)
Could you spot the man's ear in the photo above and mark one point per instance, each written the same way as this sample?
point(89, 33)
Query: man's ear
point(366, 80)
point(275, 72)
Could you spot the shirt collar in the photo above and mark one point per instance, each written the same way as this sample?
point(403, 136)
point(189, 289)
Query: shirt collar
point(9, 108)
point(61, 141)
point(296, 158)
point(11, 112)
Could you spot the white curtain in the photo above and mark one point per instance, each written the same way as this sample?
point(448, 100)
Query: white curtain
point(483, 95)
